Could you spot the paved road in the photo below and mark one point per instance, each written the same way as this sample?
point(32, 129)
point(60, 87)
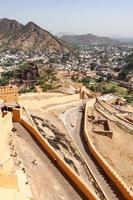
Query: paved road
point(47, 181)
point(72, 119)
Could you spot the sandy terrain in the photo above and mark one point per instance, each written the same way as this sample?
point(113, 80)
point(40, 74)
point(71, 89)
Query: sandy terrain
point(118, 151)
point(38, 96)
point(37, 101)
point(47, 183)
point(45, 113)
point(127, 108)
point(54, 131)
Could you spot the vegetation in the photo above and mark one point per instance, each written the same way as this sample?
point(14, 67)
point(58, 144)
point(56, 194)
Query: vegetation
point(3, 81)
point(100, 79)
point(86, 80)
point(127, 69)
point(48, 80)
point(106, 87)
point(17, 72)
point(24, 90)
point(129, 99)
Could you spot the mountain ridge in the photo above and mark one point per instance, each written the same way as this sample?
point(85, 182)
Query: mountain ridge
point(14, 35)
point(87, 39)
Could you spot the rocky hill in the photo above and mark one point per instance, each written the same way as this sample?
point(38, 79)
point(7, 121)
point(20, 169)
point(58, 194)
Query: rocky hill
point(14, 35)
point(88, 39)
point(7, 29)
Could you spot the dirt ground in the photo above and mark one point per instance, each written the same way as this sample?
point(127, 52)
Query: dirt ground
point(46, 118)
point(46, 181)
point(55, 133)
point(39, 96)
point(45, 100)
point(118, 150)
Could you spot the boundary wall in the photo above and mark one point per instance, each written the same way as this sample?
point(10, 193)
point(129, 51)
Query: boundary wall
point(80, 184)
point(28, 116)
point(9, 93)
point(50, 101)
point(106, 167)
point(5, 128)
point(12, 186)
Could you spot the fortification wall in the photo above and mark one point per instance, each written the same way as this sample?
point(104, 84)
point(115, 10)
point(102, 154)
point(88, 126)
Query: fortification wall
point(106, 167)
point(9, 93)
point(81, 185)
point(50, 101)
point(12, 185)
point(5, 128)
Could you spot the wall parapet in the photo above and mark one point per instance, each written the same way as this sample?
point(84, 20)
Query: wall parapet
point(9, 93)
point(79, 183)
point(103, 163)
point(5, 128)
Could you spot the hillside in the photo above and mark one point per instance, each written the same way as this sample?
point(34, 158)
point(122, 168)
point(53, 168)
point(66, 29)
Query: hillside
point(14, 35)
point(7, 29)
point(87, 39)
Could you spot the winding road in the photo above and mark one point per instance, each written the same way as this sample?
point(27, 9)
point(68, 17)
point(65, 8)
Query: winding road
point(73, 122)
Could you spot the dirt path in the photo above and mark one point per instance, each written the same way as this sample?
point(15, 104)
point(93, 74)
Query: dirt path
point(47, 183)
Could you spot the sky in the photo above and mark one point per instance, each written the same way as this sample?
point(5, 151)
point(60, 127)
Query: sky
point(100, 17)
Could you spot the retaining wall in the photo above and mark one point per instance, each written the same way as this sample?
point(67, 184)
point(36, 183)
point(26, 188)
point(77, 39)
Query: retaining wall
point(9, 93)
point(50, 101)
point(81, 185)
point(106, 167)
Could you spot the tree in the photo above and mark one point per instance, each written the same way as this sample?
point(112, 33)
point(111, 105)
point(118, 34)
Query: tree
point(100, 80)
point(86, 80)
point(129, 91)
point(93, 88)
point(109, 77)
point(3, 81)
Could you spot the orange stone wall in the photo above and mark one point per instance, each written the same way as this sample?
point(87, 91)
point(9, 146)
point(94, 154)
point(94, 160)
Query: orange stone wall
point(9, 93)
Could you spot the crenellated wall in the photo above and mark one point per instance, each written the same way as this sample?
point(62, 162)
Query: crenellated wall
point(9, 93)
point(103, 163)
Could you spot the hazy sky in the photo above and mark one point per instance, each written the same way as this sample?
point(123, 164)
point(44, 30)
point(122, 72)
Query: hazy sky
point(102, 17)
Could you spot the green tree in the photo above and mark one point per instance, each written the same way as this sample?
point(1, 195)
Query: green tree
point(86, 80)
point(100, 80)
point(4, 81)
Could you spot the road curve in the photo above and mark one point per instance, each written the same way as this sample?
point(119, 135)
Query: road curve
point(73, 121)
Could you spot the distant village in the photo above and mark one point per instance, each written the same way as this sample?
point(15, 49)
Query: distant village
point(92, 61)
